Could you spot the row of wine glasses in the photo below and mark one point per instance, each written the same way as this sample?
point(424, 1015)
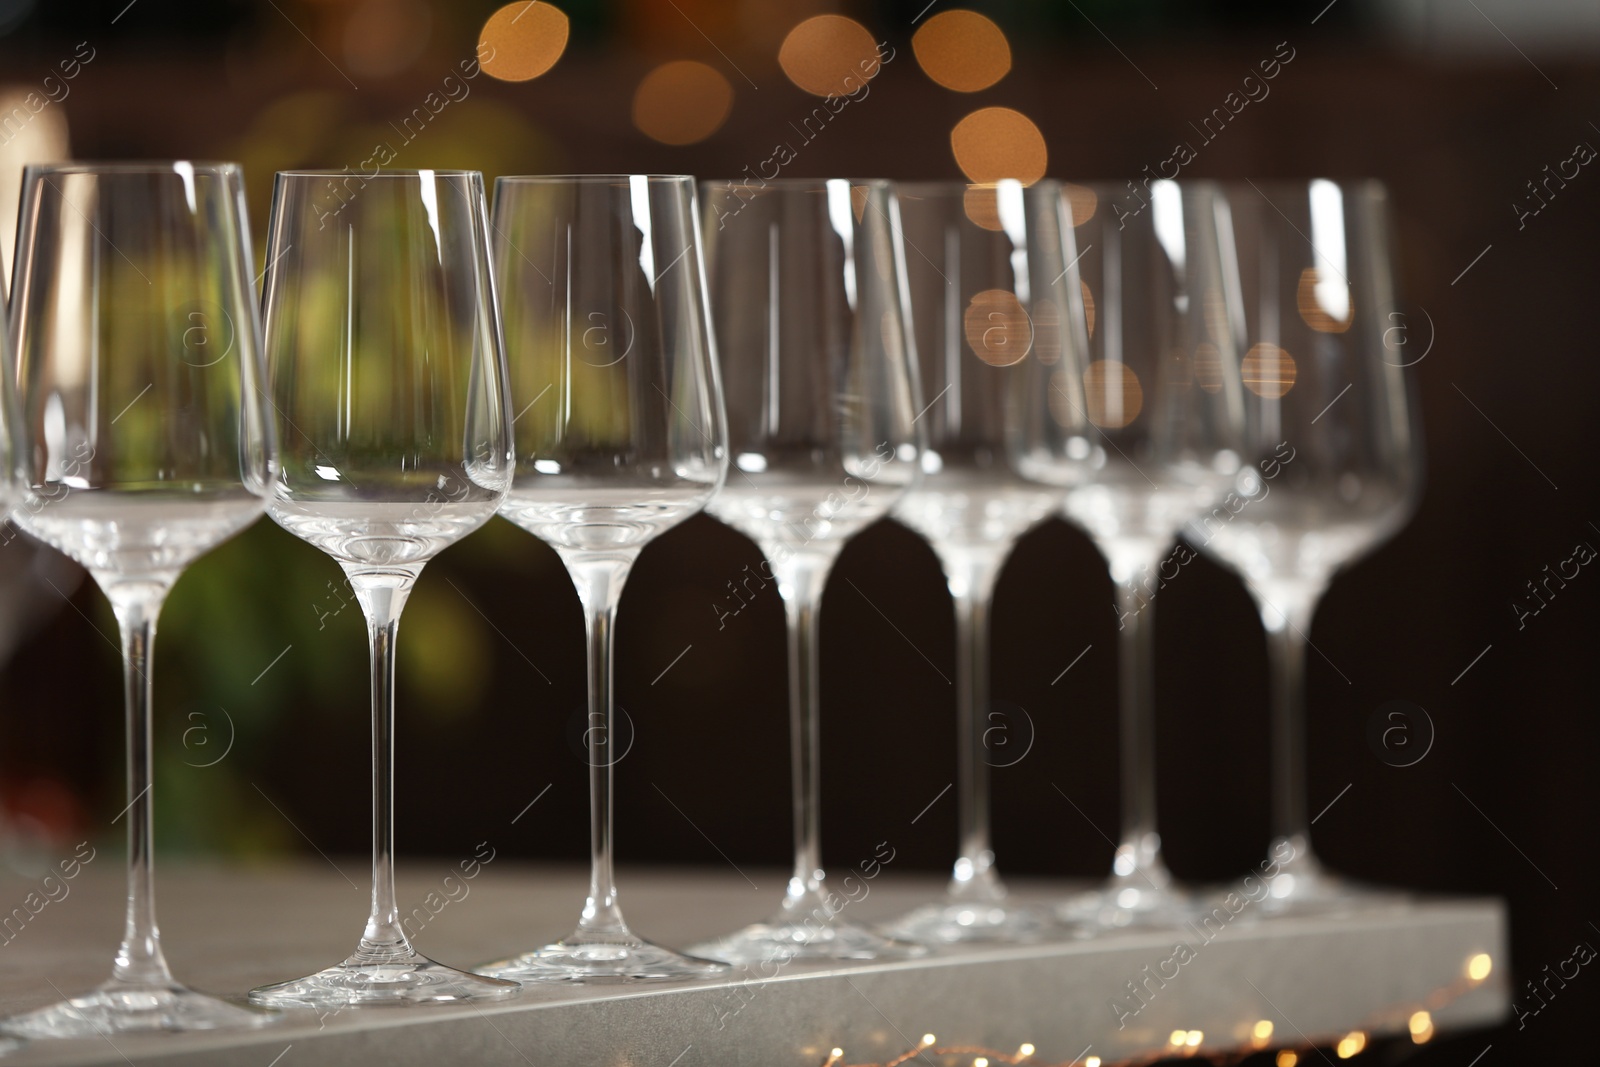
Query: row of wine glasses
point(596, 361)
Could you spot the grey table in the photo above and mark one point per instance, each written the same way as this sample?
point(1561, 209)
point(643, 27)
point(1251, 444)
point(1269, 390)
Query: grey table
point(228, 929)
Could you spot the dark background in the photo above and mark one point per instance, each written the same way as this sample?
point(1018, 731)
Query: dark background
point(1454, 111)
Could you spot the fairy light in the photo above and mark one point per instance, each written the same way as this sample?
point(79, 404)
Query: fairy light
point(1479, 966)
point(1419, 1022)
point(1350, 1044)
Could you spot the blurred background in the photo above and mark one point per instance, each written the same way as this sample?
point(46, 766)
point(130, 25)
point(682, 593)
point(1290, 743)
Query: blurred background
point(1465, 107)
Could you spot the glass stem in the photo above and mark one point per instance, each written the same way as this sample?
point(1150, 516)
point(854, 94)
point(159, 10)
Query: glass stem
point(383, 596)
point(1139, 851)
point(599, 583)
point(139, 961)
point(971, 579)
point(801, 579)
point(1286, 618)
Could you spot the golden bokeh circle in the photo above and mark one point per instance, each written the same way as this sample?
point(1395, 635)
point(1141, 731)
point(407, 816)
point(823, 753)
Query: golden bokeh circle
point(682, 102)
point(982, 206)
point(1082, 200)
point(1267, 370)
point(523, 40)
point(829, 55)
point(998, 329)
point(1113, 393)
point(962, 51)
point(1311, 309)
point(995, 143)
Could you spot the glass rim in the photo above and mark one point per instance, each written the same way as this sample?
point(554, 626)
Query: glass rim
point(135, 166)
point(791, 184)
point(1365, 186)
point(381, 172)
point(590, 179)
point(1346, 184)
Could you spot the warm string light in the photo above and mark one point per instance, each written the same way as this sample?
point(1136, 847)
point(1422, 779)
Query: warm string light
point(981, 1057)
point(1351, 1044)
point(1418, 1023)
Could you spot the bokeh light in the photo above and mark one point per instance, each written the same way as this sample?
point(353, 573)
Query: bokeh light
point(1267, 370)
point(1311, 306)
point(1088, 307)
point(829, 55)
point(1082, 200)
point(982, 206)
point(523, 40)
point(962, 51)
point(998, 329)
point(994, 143)
point(1115, 397)
point(682, 102)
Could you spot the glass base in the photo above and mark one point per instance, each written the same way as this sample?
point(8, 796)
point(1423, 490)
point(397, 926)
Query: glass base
point(116, 1008)
point(807, 929)
point(398, 978)
point(1303, 886)
point(960, 922)
point(1119, 904)
point(1139, 892)
point(583, 958)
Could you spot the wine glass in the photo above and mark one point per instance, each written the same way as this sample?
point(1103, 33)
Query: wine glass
point(622, 437)
point(389, 388)
point(1332, 450)
point(144, 442)
point(1143, 438)
point(984, 298)
point(808, 294)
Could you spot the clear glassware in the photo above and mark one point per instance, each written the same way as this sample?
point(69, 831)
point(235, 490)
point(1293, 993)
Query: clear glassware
point(389, 389)
point(984, 298)
point(144, 442)
point(1332, 451)
point(621, 436)
point(808, 294)
point(1143, 438)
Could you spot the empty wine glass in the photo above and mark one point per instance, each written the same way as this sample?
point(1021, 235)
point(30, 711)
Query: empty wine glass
point(1332, 451)
point(389, 386)
point(622, 436)
point(808, 295)
point(982, 275)
point(145, 442)
point(1143, 438)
